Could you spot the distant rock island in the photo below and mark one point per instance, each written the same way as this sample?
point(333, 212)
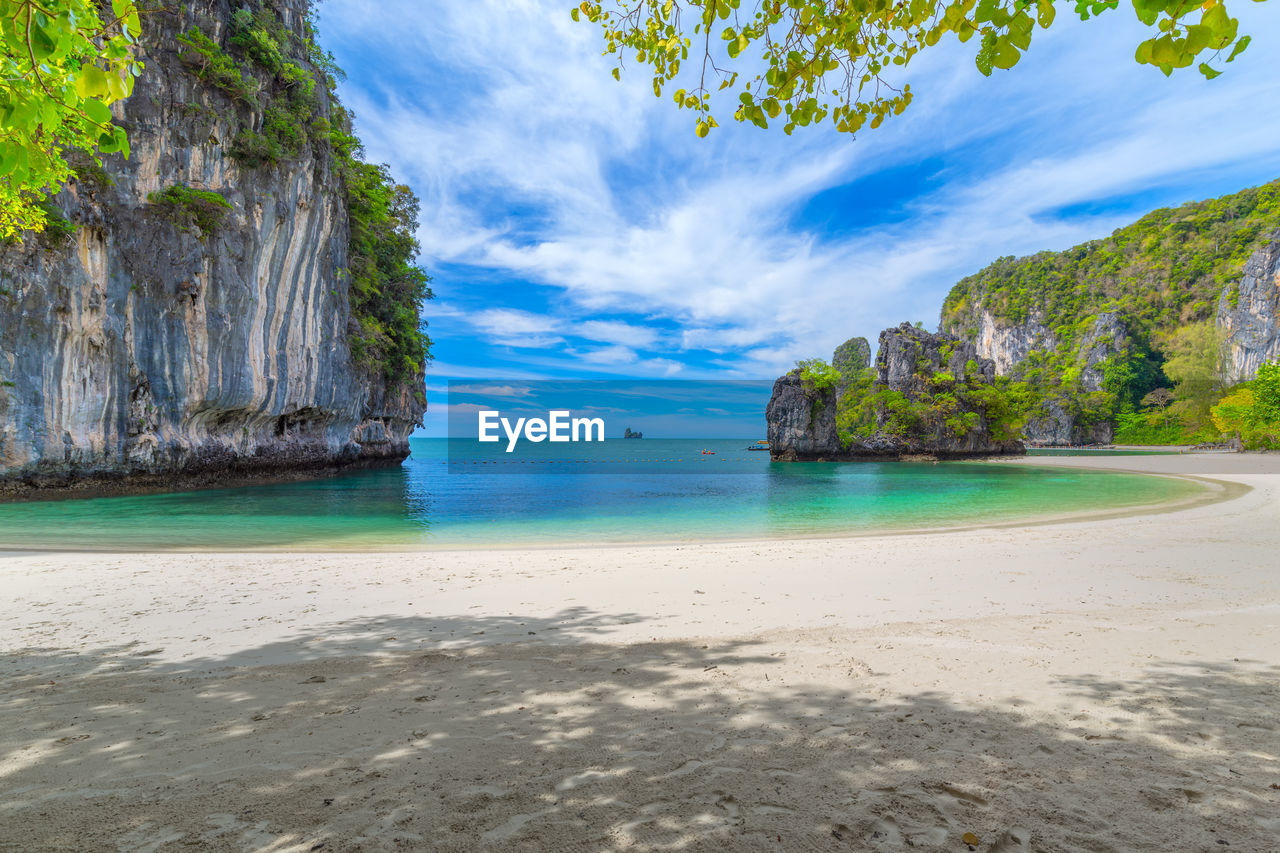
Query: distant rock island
point(928, 395)
point(630, 434)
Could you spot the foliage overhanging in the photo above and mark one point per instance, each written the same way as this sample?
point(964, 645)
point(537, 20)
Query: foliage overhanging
point(816, 60)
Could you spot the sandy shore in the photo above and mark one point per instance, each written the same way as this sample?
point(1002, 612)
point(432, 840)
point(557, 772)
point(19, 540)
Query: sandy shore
point(1091, 685)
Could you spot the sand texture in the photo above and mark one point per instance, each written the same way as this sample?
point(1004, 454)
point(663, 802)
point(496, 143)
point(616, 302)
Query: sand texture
point(1100, 685)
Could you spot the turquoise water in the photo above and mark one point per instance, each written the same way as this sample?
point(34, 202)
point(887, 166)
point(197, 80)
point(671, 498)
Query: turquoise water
point(615, 492)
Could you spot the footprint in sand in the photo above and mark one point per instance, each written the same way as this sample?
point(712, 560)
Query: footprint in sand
point(584, 778)
point(960, 794)
point(685, 769)
point(1014, 840)
point(771, 809)
point(885, 831)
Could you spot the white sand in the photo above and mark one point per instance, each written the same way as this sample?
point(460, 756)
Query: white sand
point(1092, 685)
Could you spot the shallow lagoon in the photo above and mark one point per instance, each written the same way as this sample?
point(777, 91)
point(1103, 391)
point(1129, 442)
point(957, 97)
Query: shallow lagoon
point(449, 494)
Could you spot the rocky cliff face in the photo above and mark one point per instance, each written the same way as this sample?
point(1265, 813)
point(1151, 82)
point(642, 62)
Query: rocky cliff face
point(804, 422)
point(147, 350)
point(1249, 315)
point(1010, 344)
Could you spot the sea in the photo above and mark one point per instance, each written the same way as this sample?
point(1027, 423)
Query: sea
point(453, 493)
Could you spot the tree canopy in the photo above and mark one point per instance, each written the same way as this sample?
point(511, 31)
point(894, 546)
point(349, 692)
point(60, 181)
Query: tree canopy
point(816, 60)
point(62, 64)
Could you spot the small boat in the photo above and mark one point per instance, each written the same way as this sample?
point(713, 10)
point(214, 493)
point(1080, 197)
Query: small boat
point(762, 444)
point(708, 453)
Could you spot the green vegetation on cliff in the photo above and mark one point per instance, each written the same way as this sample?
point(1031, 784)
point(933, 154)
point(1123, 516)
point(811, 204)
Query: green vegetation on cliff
point(386, 288)
point(1159, 280)
point(1251, 412)
point(187, 207)
point(1164, 270)
point(280, 75)
point(946, 406)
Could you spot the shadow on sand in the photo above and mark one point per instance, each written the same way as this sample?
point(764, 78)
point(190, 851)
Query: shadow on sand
point(445, 741)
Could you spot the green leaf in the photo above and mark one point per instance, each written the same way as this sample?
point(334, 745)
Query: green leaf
point(1005, 55)
point(1163, 52)
point(1045, 13)
point(1148, 10)
point(92, 82)
point(1215, 17)
point(1208, 72)
point(1239, 48)
point(42, 44)
point(97, 112)
point(1197, 38)
point(702, 129)
point(983, 61)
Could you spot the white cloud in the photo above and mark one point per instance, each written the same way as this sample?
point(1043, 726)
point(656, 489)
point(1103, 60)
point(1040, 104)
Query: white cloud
point(661, 366)
point(610, 355)
point(508, 106)
point(504, 391)
point(613, 332)
point(506, 322)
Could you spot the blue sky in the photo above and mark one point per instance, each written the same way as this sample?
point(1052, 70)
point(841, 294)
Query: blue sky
point(576, 227)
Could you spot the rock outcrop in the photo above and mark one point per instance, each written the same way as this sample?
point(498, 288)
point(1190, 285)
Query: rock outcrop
point(1249, 314)
point(803, 421)
point(150, 351)
point(852, 355)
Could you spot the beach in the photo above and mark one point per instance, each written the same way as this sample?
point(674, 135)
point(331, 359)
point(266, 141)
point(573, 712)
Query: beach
point(1097, 683)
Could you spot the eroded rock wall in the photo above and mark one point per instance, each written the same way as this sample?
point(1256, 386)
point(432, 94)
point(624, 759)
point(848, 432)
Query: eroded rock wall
point(1008, 345)
point(1249, 315)
point(147, 349)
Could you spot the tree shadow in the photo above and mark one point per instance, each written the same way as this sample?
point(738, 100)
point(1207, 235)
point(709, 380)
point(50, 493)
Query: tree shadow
point(555, 742)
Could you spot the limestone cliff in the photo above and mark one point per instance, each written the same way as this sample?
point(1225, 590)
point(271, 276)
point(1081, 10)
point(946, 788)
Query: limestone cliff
point(1249, 314)
point(924, 397)
point(147, 349)
point(1084, 347)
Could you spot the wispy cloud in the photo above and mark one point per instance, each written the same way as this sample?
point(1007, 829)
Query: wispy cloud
point(656, 252)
